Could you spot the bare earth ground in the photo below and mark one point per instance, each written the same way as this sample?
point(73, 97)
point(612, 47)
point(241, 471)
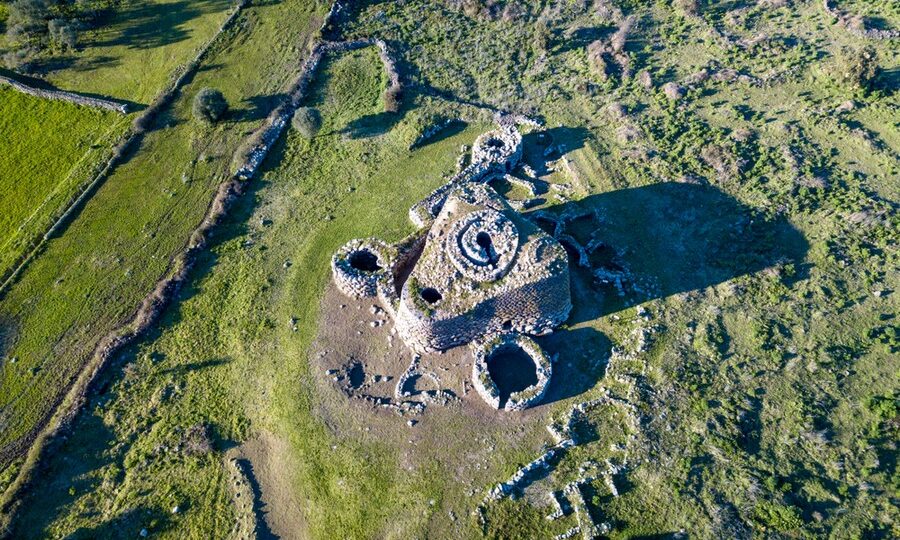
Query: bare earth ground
point(274, 502)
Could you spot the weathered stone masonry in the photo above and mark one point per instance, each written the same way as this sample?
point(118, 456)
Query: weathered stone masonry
point(478, 272)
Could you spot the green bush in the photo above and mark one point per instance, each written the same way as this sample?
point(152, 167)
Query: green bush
point(858, 68)
point(307, 121)
point(209, 105)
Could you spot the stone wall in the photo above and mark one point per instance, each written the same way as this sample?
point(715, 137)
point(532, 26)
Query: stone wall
point(534, 309)
point(61, 95)
point(360, 265)
point(484, 383)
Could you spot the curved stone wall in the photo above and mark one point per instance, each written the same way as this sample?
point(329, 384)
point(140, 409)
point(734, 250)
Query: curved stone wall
point(487, 388)
point(360, 265)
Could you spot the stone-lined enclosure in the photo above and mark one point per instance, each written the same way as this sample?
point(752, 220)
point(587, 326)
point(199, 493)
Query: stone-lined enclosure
point(476, 272)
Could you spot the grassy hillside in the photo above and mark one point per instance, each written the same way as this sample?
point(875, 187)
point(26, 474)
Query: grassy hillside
point(752, 209)
point(132, 50)
point(205, 365)
point(49, 151)
point(93, 276)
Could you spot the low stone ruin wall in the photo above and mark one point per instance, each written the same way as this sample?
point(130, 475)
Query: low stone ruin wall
point(487, 161)
point(484, 383)
point(856, 25)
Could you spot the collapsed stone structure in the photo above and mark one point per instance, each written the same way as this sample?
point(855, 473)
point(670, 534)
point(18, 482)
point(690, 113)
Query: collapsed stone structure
point(477, 272)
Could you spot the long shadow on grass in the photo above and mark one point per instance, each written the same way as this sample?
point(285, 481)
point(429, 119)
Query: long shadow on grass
point(672, 238)
point(678, 238)
point(154, 25)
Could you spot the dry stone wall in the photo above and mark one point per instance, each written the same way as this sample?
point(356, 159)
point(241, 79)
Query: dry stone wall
point(61, 95)
point(480, 270)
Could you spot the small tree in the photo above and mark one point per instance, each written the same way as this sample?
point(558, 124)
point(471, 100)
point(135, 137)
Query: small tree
point(688, 7)
point(209, 105)
point(307, 121)
point(63, 34)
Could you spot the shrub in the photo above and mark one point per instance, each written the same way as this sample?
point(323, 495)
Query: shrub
point(858, 67)
point(307, 121)
point(689, 7)
point(20, 59)
point(209, 105)
point(63, 34)
point(393, 97)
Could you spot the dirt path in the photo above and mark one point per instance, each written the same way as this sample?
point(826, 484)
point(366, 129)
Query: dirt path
point(278, 513)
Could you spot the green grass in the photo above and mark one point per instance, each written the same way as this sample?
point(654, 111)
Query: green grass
point(48, 153)
point(768, 398)
point(132, 54)
point(92, 278)
point(220, 370)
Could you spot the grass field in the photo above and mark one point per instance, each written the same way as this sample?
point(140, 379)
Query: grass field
point(48, 152)
point(212, 365)
point(134, 50)
point(757, 222)
point(92, 277)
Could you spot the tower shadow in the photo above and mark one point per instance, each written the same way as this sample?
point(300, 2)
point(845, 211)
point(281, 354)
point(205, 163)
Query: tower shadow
point(667, 238)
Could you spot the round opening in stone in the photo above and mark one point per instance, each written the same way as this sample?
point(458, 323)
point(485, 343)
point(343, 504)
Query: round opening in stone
point(494, 143)
point(364, 260)
point(430, 295)
point(512, 370)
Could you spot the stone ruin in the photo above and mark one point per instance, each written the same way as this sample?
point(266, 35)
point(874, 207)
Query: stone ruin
point(477, 272)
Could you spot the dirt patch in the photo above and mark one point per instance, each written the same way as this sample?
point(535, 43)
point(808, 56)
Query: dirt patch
point(265, 464)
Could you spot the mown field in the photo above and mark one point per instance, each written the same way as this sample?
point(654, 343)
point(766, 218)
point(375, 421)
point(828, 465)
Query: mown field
point(92, 277)
point(756, 217)
point(49, 150)
point(131, 51)
point(55, 148)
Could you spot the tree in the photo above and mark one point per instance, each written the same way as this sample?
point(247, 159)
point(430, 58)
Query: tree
point(209, 105)
point(27, 21)
point(307, 121)
point(63, 34)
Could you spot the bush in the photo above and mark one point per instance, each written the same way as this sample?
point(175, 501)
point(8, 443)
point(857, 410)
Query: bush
point(858, 67)
point(393, 97)
point(210, 105)
point(63, 34)
point(688, 7)
point(307, 121)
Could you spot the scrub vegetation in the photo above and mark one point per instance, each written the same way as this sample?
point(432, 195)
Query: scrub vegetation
point(740, 162)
